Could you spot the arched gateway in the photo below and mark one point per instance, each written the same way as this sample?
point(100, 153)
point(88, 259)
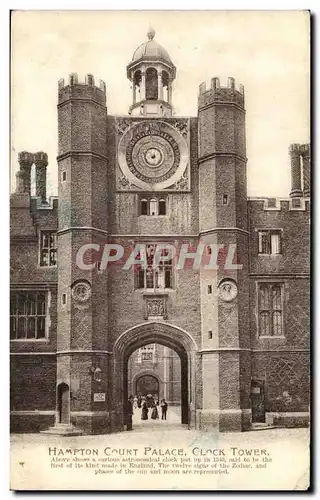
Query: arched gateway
point(159, 333)
point(146, 384)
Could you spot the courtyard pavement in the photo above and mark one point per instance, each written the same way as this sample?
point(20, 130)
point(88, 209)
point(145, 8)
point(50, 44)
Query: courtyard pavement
point(287, 466)
point(173, 421)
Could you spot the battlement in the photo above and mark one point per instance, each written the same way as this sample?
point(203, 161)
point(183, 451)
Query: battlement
point(38, 204)
point(299, 149)
point(277, 204)
point(77, 89)
point(217, 93)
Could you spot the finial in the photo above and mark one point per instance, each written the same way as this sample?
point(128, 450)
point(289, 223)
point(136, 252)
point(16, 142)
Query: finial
point(151, 33)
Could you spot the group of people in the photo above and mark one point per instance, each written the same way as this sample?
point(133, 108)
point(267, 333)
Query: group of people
point(144, 403)
point(153, 405)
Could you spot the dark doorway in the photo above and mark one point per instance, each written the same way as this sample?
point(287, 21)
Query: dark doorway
point(64, 403)
point(258, 401)
point(147, 384)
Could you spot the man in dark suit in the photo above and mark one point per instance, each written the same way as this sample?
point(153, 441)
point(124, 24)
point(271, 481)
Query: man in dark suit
point(164, 408)
point(128, 412)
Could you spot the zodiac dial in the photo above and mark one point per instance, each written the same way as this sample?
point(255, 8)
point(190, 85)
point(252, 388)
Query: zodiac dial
point(152, 154)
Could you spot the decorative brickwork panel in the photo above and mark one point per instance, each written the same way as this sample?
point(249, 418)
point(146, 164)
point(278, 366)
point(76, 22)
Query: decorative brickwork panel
point(228, 326)
point(33, 383)
point(287, 380)
point(81, 330)
point(229, 381)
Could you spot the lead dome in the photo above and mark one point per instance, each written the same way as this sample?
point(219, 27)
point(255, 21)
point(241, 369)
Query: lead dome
point(151, 50)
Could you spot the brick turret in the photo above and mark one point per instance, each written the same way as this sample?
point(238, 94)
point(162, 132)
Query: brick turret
point(223, 221)
point(83, 219)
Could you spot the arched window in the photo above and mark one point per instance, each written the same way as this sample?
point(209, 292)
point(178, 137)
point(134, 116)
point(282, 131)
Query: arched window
point(151, 84)
point(153, 205)
point(144, 207)
point(162, 207)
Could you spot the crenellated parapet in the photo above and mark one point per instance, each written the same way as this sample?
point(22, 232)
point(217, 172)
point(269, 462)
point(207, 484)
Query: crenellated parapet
point(280, 204)
point(299, 149)
point(217, 94)
point(76, 89)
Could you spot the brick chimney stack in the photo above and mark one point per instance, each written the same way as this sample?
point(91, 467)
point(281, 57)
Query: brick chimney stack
point(305, 152)
point(295, 155)
point(23, 176)
point(41, 163)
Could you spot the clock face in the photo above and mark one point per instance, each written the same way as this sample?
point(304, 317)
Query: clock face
point(152, 154)
point(153, 157)
point(228, 290)
point(81, 291)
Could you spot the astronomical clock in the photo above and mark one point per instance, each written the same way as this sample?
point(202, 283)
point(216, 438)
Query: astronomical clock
point(153, 155)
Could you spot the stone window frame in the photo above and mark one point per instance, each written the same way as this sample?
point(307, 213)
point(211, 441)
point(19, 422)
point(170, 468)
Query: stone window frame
point(159, 200)
point(147, 349)
point(269, 232)
point(33, 291)
point(136, 276)
point(270, 283)
point(49, 248)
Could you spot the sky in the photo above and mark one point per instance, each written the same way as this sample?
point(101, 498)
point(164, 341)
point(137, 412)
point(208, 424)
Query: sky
point(266, 51)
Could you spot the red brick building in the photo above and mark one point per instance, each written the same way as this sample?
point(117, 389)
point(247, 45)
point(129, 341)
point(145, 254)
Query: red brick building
point(240, 329)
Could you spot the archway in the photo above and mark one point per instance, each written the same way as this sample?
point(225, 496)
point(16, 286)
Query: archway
point(159, 333)
point(63, 403)
point(147, 384)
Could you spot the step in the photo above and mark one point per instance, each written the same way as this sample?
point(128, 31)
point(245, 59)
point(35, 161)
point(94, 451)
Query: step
point(63, 430)
point(261, 426)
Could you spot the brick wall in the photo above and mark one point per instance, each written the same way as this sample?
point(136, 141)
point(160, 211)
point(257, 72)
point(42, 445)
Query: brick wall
point(33, 382)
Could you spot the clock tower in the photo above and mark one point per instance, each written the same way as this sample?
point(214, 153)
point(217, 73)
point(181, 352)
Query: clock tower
point(223, 303)
point(151, 178)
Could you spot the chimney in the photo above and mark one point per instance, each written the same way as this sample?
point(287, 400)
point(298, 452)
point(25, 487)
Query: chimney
point(41, 163)
point(23, 176)
point(294, 151)
point(305, 151)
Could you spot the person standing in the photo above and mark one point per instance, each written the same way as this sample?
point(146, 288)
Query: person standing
point(128, 411)
point(164, 408)
point(135, 402)
point(154, 413)
point(144, 412)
